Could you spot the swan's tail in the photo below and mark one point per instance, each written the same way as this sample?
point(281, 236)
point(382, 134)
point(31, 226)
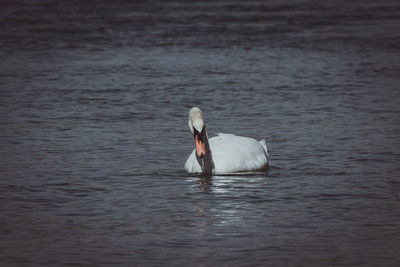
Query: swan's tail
point(264, 145)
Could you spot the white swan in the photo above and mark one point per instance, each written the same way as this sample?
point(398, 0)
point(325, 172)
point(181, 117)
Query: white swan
point(225, 153)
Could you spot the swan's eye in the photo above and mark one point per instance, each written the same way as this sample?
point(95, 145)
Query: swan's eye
point(203, 132)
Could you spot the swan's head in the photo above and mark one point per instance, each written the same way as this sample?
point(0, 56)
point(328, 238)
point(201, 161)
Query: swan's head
point(198, 129)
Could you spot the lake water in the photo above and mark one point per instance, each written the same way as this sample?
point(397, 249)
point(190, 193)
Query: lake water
point(94, 101)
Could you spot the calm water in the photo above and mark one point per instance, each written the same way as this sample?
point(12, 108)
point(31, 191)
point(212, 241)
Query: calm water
point(93, 132)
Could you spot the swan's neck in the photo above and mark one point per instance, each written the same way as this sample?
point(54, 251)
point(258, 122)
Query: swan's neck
point(206, 162)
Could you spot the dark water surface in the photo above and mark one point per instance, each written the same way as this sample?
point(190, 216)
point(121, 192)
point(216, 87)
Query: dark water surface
point(93, 132)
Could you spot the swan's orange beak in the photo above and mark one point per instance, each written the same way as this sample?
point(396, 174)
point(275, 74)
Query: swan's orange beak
point(200, 147)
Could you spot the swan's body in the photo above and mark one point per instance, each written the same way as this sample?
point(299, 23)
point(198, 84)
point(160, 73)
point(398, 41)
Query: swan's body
point(224, 153)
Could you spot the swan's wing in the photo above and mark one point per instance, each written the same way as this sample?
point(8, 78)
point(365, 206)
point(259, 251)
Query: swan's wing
point(264, 145)
point(233, 153)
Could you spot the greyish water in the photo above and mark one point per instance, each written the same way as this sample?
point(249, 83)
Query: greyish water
point(94, 106)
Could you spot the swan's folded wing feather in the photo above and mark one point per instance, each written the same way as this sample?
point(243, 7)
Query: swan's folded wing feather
point(233, 153)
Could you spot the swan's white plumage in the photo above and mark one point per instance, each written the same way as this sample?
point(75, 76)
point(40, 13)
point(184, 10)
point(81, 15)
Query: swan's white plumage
point(231, 153)
point(196, 119)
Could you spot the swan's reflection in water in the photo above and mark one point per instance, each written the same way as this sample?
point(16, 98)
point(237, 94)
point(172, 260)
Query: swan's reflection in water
point(205, 183)
point(225, 203)
point(229, 183)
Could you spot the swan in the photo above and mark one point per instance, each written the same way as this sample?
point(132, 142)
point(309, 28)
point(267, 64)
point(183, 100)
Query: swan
point(224, 153)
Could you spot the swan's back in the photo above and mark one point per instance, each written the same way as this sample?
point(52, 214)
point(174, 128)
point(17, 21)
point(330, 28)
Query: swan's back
point(232, 153)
